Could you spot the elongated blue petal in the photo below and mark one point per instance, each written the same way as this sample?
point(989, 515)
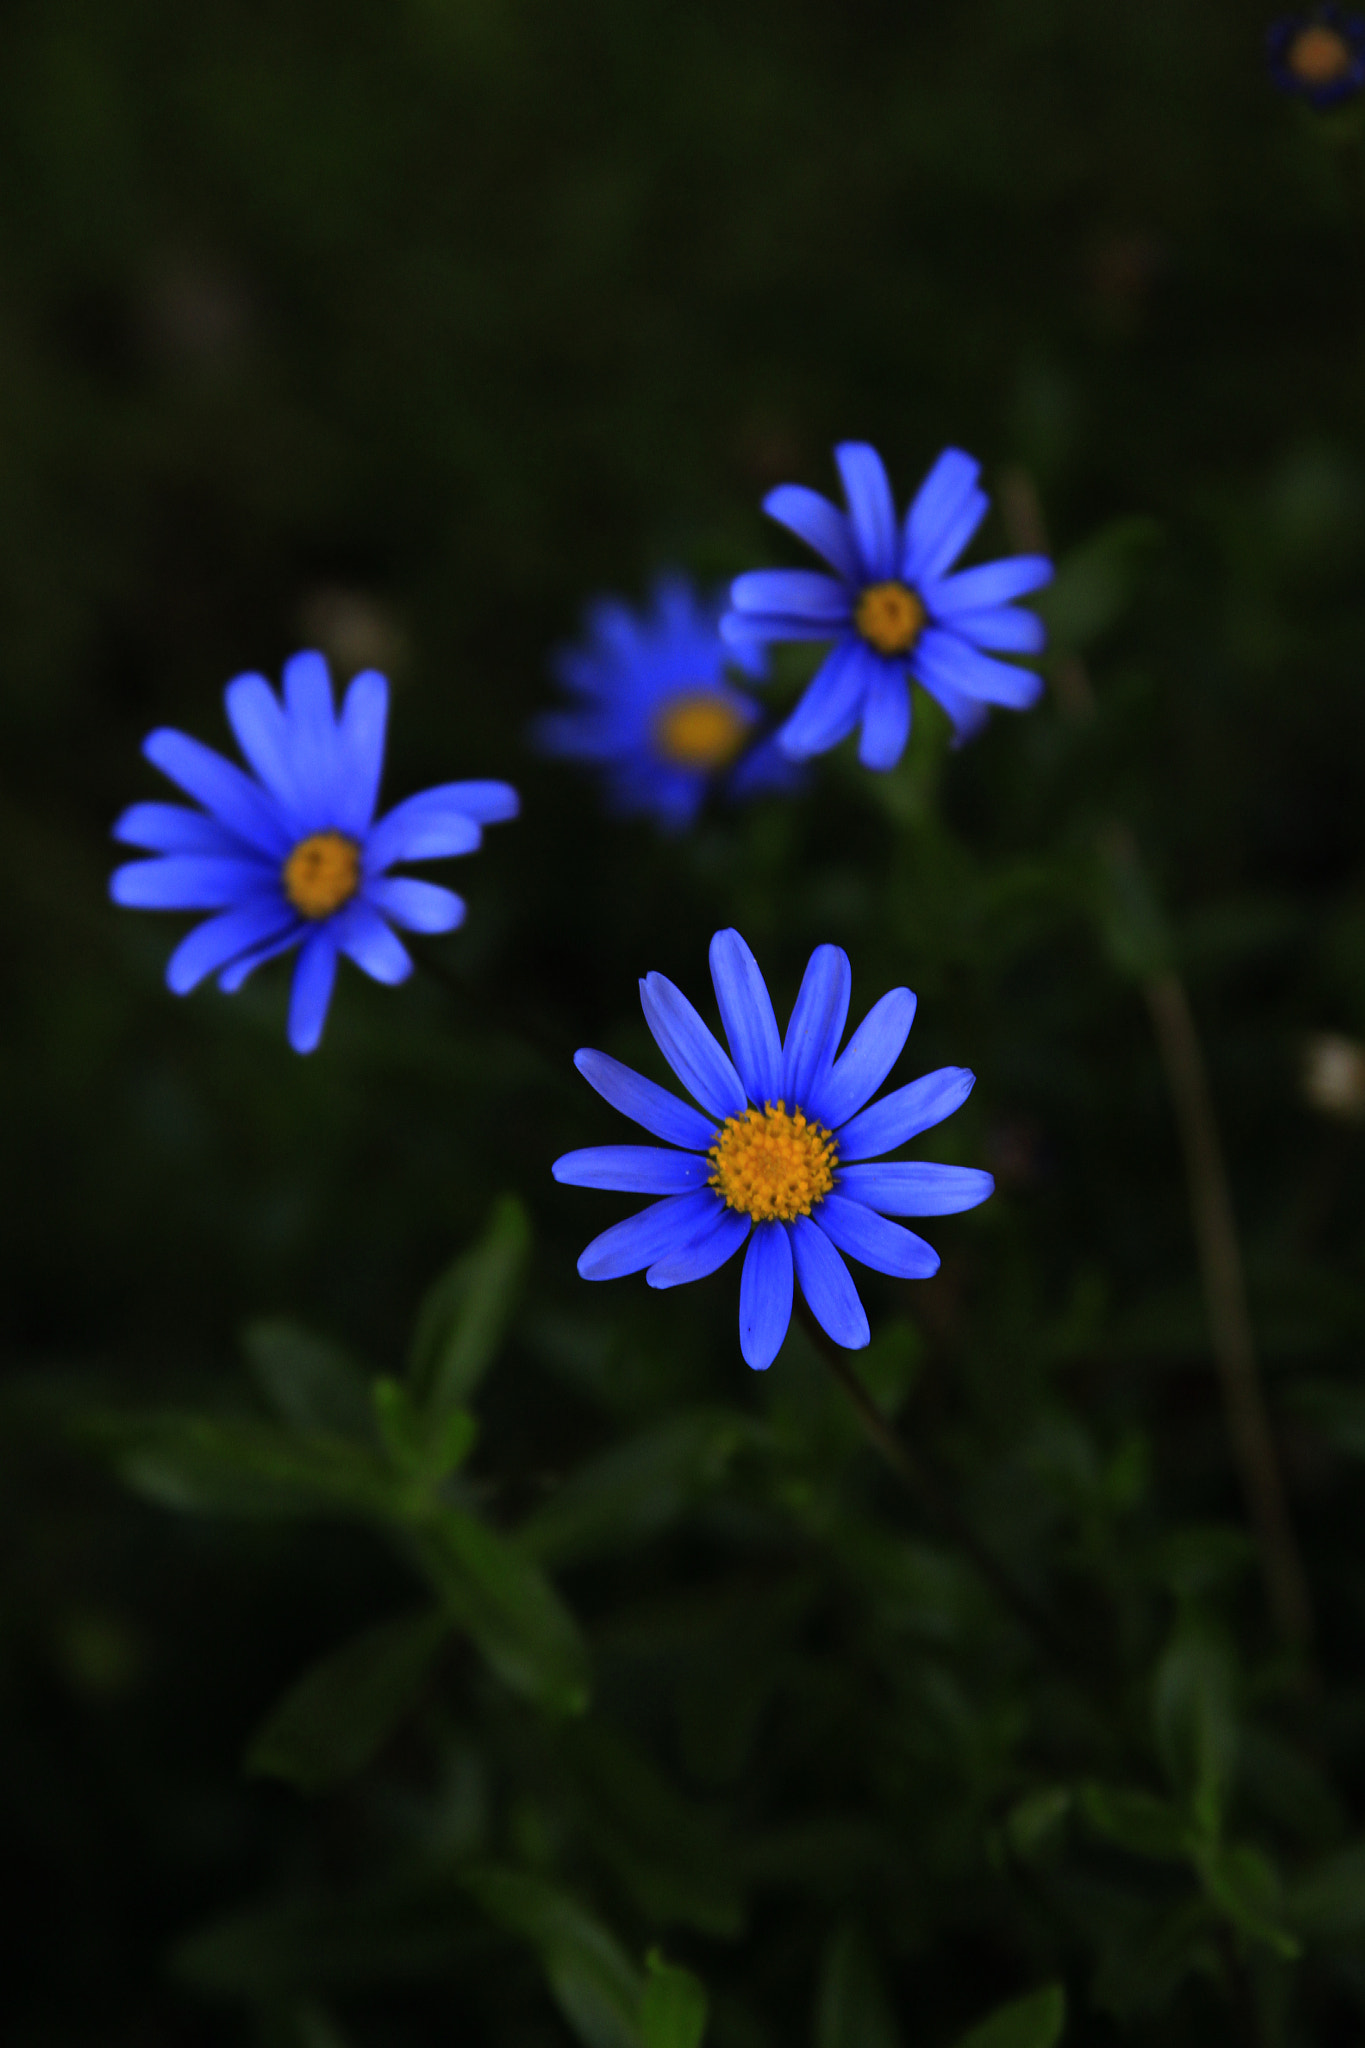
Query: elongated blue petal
point(431, 826)
point(994, 583)
point(866, 1060)
point(871, 508)
point(940, 653)
point(262, 732)
point(704, 1070)
point(632, 1169)
point(313, 736)
point(488, 803)
point(875, 1241)
point(244, 966)
point(360, 749)
point(416, 906)
point(743, 630)
point(833, 702)
point(1004, 628)
point(967, 714)
point(947, 505)
point(170, 828)
point(187, 881)
point(765, 1295)
point(645, 1101)
point(312, 989)
point(219, 939)
point(915, 1187)
point(746, 1011)
point(886, 719)
point(798, 593)
point(819, 524)
point(363, 936)
point(828, 1285)
point(903, 1115)
point(816, 1026)
point(667, 1226)
point(719, 1241)
point(232, 797)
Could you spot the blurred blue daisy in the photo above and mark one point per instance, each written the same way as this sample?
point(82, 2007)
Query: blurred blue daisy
point(1319, 57)
point(657, 713)
point(779, 1154)
point(291, 855)
point(891, 608)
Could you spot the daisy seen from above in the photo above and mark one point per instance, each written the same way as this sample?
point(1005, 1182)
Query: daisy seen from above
point(892, 608)
point(1318, 57)
point(784, 1150)
point(659, 713)
point(291, 855)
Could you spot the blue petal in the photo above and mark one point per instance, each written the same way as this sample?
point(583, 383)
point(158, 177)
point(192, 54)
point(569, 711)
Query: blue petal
point(704, 1070)
point(992, 584)
point(832, 703)
point(946, 512)
point(667, 1226)
point(489, 803)
point(241, 804)
point(1008, 630)
point(312, 990)
point(886, 719)
point(432, 826)
point(967, 715)
point(915, 1188)
point(939, 653)
point(244, 966)
point(866, 1060)
point(828, 1286)
point(220, 939)
point(717, 1243)
point(188, 882)
point(741, 630)
point(796, 593)
point(871, 506)
point(903, 1115)
point(645, 1102)
point(819, 524)
point(416, 906)
point(262, 732)
point(170, 828)
point(746, 1011)
point(313, 735)
point(876, 1242)
point(575, 735)
point(364, 937)
point(817, 1022)
point(360, 750)
point(633, 1169)
point(765, 1295)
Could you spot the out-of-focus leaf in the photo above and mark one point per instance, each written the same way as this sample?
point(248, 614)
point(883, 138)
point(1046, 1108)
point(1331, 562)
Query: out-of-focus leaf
point(213, 1465)
point(508, 1606)
point(635, 1489)
point(423, 1446)
point(1138, 1821)
point(333, 1720)
point(852, 2009)
point(1192, 1712)
point(1241, 1881)
point(1033, 1826)
point(595, 1984)
point(673, 2009)
point(1132, 925)
point(1096, 582)
point(464, 1318)
point(1035, 2021)
point(413, 1928)
point(1328, 1901)
point(308, 1381)
point(669, 1852)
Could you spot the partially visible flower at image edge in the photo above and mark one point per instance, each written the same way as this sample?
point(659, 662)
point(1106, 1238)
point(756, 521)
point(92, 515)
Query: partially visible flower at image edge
point(657, 713)
point(892, 609)
point(291, 855)
point(1318, 57)
point(780, 1153)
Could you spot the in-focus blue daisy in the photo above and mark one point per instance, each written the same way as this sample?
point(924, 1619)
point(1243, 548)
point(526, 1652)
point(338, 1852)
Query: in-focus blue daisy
point(659, 712)
point(781, 1152)
point(891, 608)
point(1319, 57)
point(292, 855)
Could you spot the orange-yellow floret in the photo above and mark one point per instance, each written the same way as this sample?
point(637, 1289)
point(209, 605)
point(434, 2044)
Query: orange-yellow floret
point(322, 873)
point(772, 1165)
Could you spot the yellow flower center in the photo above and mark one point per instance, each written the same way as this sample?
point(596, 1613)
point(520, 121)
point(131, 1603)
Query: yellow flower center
point(770, 1165)
point(699, 729)
point(890, 617)
point(1319, 55)
point(322, 873)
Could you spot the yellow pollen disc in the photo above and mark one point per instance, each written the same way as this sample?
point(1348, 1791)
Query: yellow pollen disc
point(322, 873)
point(890, 617)
point(1318, 55)
point(772, 1166)
point(699, 729)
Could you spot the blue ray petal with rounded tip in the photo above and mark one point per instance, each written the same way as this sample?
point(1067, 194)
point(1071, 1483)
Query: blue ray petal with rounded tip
point(233, 797)
point(312, 721)
point(416, 906)
point(832, 703)
point(363, 936)
point(263, 734)
point(488, 803)
point(645, 1102)
point(170, 828)
point(432, 826)
point(875, 1241)
point(719, 1241)
point(944, 501)
point(665, 1227)
point(819, 524)
point(962, 667)
point(632, 1169)
point(915, 1187)
point(765, 1295)
point(742, 630)
point(967, 715)
point(704, 1070)
point(816, 1025)
point(746, 1011)
point(1003, 628)
point(903, 1115)
point(219, 939)
point(312, 989)
point(866, 1060)
point(871, 507)
point(240, 970)
point(828, 1286)
point(886, 719)
point(974, 590)
point(361, 732)
point(188, 881)
point(793, 593)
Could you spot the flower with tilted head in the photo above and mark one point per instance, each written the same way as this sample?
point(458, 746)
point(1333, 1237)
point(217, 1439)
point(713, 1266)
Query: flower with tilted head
point(891, 608)
point(781, 1151)
point(1319, 57)
point(292, 855)
point(658, 714)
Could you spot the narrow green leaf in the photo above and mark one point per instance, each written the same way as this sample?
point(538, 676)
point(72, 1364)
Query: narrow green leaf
point(1032, 2022)
point(673, 2010)
point(595, 1984)
point(211, 1465)
point(1192, 1712)
point(464, 1318)
point(1244, 1884)
point(509, 1607)
point(634, 1489)
point(852, 2009)
point(333, 1720)
point(308, 1381)
point(1138, 1821)
point(1097, 582)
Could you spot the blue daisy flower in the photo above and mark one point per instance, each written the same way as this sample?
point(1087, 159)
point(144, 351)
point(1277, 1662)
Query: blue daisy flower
point(292, 855)
point(891, 608)
point(658, 712)
point(1319, 57)
point(780, 1152)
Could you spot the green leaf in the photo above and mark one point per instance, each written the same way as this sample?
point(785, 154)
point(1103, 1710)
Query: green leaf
point(596, 1986)
point(1132, 924)
point(464, 1318)
point(211, 1465)
point(422, 1446)
point(509, 1608)
point(1138, 1821)
point(668, 1850)
point(636, 1488)
point(333, 1720)
point(417, 1926)
point(1095, 583)
point(1244, 1885)
point(1196, 1730)
point(852, 2009)
point(309, 1382)
point(1033, 1826)
point(1032, 2022)
point(673, 2009)
point(1329, 1900)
